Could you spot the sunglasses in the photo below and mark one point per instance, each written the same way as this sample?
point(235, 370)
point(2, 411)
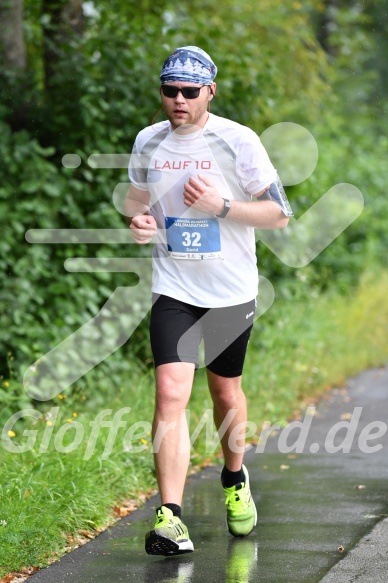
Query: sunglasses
point(187, 92)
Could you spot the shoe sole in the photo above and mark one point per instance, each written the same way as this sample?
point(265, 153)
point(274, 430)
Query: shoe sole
point(157, 544)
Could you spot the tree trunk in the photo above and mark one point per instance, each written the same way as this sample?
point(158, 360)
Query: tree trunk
point(73, 16)
point(63, 28)
point(326, 26)
point(66, 20)
point(12, 47)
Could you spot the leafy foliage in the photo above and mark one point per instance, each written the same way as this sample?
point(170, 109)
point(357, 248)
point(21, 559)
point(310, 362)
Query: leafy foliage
point(92, 90)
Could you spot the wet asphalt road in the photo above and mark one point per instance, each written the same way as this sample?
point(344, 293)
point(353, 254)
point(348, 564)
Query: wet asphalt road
point(320, 513)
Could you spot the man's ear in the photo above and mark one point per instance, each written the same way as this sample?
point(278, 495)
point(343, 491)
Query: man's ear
point(213, 88)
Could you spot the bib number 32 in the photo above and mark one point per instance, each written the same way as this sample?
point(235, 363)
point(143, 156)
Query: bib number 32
point(193, 238)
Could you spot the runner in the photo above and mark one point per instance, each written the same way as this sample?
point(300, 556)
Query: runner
point(200, 184)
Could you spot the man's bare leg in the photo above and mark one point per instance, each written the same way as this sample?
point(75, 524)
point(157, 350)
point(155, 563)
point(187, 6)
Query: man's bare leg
point(171, 439)
point(227, 394)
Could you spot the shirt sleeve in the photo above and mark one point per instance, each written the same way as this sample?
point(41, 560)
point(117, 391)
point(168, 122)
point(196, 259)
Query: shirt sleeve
point(256, 171)
point(254, 168)
point(137, 169)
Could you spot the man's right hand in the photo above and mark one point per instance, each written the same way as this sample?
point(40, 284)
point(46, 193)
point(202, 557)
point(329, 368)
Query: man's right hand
point(143, 228)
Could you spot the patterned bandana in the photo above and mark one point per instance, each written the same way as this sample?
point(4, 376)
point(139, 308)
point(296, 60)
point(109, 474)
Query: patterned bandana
point(190, 64)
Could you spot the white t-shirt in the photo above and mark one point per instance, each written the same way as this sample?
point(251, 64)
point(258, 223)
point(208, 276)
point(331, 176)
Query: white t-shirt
point(219, 269)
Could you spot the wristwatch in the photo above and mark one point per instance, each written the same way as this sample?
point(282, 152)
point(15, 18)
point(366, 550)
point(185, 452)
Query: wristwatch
point(225, 210)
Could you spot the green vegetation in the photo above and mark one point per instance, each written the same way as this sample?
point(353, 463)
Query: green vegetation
point(85, 82)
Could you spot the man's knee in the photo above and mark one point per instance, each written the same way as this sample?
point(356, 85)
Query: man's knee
point(226, 392)
point(169, 396)
point(173, 385)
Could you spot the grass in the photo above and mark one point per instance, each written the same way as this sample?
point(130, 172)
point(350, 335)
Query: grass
point(313, 345)
point(51, 500)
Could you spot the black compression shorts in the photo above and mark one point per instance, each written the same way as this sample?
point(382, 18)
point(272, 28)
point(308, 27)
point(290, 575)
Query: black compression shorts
point(177, 329)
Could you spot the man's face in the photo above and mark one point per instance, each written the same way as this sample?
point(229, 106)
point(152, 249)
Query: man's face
point(181, 111)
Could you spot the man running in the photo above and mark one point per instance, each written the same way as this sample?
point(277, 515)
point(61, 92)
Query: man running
point(200, 184)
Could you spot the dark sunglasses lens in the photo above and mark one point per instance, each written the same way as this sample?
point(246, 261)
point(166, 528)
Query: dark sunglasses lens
point(170, 91)
point(187, 92)
point(190, 92)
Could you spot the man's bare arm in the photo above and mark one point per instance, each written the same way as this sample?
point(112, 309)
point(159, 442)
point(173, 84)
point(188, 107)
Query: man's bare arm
point(141, 223)
point(137, 202)
point(261, 214)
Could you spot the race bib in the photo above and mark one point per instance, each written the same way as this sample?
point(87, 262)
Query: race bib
point(193, 238)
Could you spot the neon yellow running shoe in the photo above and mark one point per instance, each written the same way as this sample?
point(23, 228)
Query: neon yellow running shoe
point(169, 537)
point(241, 514)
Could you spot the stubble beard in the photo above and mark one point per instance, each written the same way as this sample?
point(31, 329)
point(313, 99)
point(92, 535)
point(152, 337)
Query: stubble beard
point(190, 125)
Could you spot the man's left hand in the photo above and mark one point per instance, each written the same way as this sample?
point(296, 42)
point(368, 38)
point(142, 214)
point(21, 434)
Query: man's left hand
point(201, 194)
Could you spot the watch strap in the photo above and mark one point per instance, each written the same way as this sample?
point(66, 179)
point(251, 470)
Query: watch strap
point(225, 210)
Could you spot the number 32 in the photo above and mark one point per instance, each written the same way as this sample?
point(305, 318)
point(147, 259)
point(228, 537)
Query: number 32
point(191, 239)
